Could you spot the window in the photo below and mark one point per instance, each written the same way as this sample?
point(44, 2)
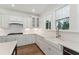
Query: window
point(48, 24)
point(62, 23)
point(62, 18)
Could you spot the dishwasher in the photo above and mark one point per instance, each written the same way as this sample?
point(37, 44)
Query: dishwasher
point(67, 51)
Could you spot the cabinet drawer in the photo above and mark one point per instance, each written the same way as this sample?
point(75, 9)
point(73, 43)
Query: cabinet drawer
point(53, 44)
point(48, 48)
point(56, 51)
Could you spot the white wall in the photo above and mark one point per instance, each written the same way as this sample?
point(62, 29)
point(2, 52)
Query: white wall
point(72, 34)
point(74, 17)
point(50, 15)
point(15, 17)
point(14, 13)
point(47, 16)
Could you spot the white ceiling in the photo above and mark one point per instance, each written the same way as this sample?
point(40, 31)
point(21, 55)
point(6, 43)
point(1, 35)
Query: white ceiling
point(39, 8)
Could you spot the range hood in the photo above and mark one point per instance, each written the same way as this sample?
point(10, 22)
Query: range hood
point(15, 29)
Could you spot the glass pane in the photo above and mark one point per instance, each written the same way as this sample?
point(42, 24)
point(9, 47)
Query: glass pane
point(63, 23)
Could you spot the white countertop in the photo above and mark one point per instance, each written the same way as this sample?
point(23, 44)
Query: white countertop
point(74, 45)
point(7, 48)
point(69, 44)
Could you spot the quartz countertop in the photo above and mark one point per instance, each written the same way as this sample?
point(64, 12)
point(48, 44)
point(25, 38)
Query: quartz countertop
point(7, 48)
point(69, 44)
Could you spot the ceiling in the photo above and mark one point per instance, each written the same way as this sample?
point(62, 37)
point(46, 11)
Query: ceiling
point(27, 8)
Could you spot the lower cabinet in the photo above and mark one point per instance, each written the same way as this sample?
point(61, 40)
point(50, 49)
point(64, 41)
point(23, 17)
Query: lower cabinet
point(25, 40)
point(46, 46)
point(49, 49)
point(21, 39)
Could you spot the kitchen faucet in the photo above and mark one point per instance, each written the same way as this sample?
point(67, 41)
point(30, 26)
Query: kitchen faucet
point(57, 32)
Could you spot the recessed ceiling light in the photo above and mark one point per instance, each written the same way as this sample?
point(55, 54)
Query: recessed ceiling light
point(33, 10)
point(13, 5)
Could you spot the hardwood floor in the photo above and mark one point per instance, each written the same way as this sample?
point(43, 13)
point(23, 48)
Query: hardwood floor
point(31, 49)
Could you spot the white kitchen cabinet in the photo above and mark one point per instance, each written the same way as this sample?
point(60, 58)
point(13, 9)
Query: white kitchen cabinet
point(31, 22)
point(25, 24)
point(3, 21)
point(47, 48)
point(28, 22)
point(54, 50)
point(35, 22)
point(51, 48)
point(24, 40)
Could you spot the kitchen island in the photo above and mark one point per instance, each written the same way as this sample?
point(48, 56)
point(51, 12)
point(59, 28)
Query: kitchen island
point(8, 48)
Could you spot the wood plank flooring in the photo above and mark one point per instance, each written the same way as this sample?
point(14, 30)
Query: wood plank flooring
point(31, 49)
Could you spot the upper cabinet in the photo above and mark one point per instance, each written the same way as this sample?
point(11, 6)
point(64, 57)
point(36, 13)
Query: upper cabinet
point(31, 22)
point(35, 22)
point(4, 21)
point(25, 24)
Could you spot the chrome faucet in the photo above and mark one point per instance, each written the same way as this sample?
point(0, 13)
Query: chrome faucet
point(57, 33)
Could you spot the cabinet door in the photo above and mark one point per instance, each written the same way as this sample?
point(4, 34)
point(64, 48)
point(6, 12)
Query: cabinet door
point(25, 24)
point(37, 23)
point(5, 21)
point(0, 21)
point(47, 49)
point(33, 22)
point(44, 46)
point(55, 51)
